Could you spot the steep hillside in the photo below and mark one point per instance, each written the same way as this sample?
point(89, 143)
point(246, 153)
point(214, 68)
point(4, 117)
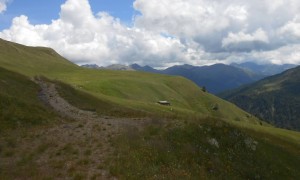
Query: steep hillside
point(275, 99)
point(205, 149)
point(20, 105)
point(31, 61)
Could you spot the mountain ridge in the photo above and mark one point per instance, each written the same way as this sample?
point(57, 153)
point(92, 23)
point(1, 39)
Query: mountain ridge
point(215, 78)
point(275, 99)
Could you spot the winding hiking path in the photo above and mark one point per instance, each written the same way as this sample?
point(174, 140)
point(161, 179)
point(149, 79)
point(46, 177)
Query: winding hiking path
point(93, 132)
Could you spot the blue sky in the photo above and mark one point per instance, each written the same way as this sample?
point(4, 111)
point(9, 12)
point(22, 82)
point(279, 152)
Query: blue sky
point(43, 11)
point(161, 34)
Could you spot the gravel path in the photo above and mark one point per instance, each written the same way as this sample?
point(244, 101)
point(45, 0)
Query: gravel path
point(94, 132)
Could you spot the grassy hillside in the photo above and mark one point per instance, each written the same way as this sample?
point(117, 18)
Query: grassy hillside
point(141, 91)
point(31, 61)
point(204, 149)
point(135, 90)
point(123, 91)
point(19, 105)
point(275, 99)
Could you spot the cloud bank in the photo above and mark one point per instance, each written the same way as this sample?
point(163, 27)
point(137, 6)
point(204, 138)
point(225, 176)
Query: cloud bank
point(168, 32)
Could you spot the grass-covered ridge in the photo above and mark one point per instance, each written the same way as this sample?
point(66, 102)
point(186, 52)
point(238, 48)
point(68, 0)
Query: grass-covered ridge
point(31, 61)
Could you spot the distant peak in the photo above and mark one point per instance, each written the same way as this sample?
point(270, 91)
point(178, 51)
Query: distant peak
point(119, 67)
point(92, 66)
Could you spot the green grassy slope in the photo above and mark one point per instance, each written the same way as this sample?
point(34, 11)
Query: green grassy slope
point(205, 149)
point(121, 90)
point(135, 90)
point(141, 91)
point(19, 105)
point(31, 61)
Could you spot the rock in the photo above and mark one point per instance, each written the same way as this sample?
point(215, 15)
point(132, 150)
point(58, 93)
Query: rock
point(213, 142)
point(250, 143)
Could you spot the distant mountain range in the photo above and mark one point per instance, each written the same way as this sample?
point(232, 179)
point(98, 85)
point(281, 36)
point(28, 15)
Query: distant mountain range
point(118, 67)
point(275, 99)
point(92, 66)
point(265, 69)
point(144, 68)
point(216, 78)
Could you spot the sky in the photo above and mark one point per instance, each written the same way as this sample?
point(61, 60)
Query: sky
point(159, 33)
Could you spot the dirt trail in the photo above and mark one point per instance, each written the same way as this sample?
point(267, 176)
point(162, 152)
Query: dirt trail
point(50, 95)
point(89, 134)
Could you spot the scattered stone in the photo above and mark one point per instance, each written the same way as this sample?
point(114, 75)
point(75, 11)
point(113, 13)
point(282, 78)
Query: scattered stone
point(251, 144)
point(213, 142)
point(215, 107)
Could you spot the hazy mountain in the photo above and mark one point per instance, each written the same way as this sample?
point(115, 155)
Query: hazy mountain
point(275, 99)
point(265, 69)
point(92, 66)
point(220, 77)
point(216, 78)
point(144, 68)
point(119, 67)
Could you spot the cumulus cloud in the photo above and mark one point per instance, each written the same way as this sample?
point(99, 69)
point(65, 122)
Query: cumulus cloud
point(246, 42)
point(102, 39)
point(168, 32)
point(226, 29)
point(209, 22)
point(291, 30)
point(3, 5)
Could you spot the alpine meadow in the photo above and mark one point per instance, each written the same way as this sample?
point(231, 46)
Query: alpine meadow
point(143, 89)
point(198, 136)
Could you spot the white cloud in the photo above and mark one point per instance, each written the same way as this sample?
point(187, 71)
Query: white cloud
point(85, 38)
point(168, 32)
point(291, 28)
point(287, 54)
point(245, 41)
point(3, 5)
point(224, 28)
point(188, 18)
